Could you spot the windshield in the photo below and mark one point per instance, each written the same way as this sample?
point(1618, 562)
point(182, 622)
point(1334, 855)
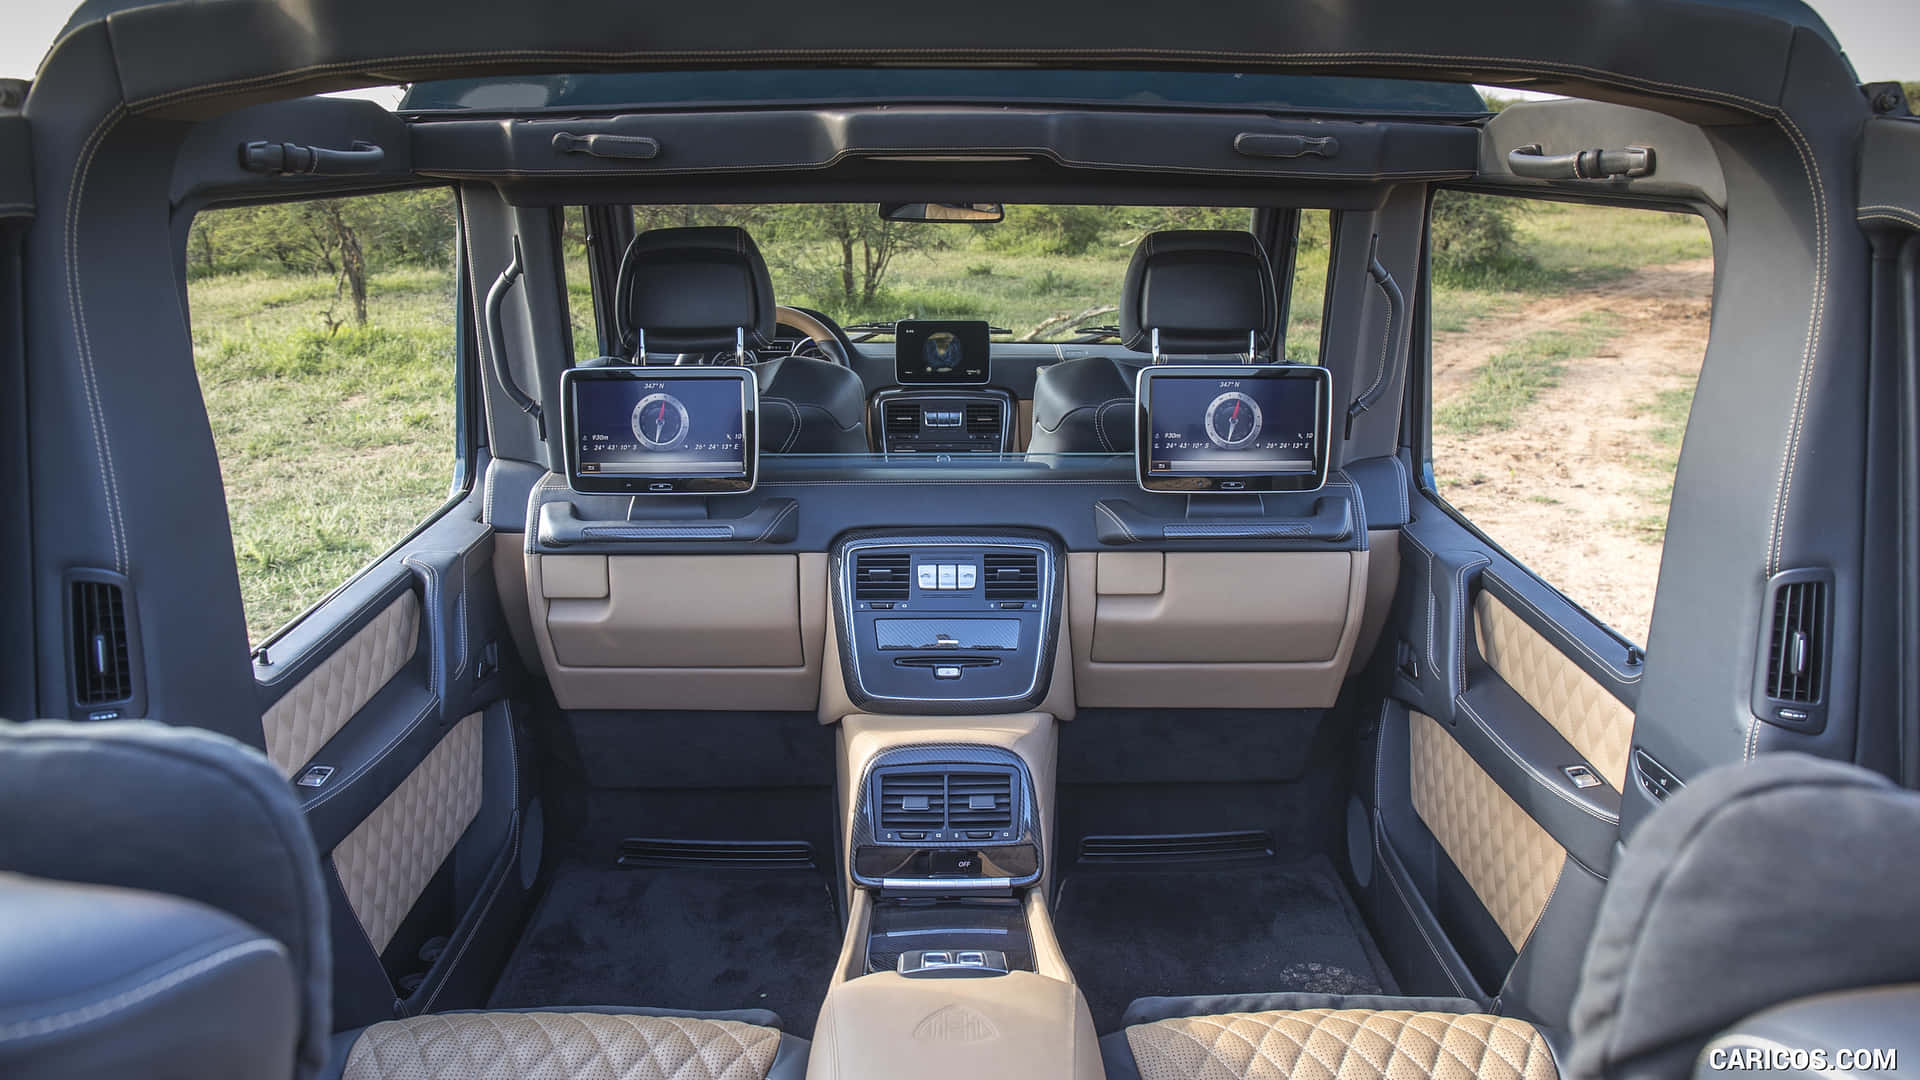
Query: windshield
point(1044, 274)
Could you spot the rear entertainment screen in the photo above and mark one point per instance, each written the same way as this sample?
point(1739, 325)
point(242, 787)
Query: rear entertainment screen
point(658, 430)
point(940, 351)
point(1232, 429)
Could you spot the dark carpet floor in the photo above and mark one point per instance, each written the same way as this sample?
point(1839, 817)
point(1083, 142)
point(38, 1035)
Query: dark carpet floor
point(1261, 928)
point(680, 939)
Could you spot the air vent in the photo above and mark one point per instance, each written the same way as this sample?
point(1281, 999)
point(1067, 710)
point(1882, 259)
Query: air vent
point(1181, 847)
point(102, 648)
point(915, 802)
point(1796, 661)
point(880, 576)
point(656, 853)
point(1013, 576)
point(1791, 686)
point(982, 800)
point(902, 417)
point(983, 419)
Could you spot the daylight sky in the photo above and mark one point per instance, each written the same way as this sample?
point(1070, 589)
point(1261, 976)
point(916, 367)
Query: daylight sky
point(1882, 37)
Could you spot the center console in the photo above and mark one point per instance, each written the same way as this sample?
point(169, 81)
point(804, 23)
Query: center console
point(944, 625)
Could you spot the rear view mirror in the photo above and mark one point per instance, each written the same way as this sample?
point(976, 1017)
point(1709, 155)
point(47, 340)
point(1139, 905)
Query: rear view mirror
point(968, 213)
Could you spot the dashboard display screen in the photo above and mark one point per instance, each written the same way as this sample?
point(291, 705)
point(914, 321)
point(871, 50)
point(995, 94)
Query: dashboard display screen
point(940, 351)
point(1232, 429)
point(658, 430)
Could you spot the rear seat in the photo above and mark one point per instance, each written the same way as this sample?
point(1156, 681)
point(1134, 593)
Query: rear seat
point(206, 833)
point(1755, 885)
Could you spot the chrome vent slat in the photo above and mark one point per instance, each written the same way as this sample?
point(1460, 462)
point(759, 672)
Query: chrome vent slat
point(881, 575)
point(1012, 576)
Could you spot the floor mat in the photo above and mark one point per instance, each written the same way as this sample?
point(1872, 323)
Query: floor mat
point(1257, 929)
point(679, 939)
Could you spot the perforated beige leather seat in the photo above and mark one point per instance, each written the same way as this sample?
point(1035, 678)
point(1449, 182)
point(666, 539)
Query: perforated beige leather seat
point(1340, 1044)
point(601, 1045)
point(1710, 917)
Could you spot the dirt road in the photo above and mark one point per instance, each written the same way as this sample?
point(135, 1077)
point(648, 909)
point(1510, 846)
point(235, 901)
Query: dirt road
point(1577, 489)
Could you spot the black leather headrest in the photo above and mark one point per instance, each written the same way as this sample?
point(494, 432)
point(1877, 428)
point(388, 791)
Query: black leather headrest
point(1203, 289)
point(691, 289)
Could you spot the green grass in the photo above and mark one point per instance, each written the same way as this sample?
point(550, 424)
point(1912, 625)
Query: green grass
point(1669, 410)
point(1565, 246)
point(332, 446)
point(1510, 380)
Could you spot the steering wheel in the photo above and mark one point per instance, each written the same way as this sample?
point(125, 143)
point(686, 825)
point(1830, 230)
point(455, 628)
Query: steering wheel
point(825, 341)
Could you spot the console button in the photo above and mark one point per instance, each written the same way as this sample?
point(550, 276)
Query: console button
point(946, 673)
point(928, 575)
point(949, 575)
point(968, 575)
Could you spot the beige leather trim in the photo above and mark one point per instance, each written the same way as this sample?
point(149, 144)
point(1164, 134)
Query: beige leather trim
point(315, 710)
point(1023, 424)
point(1341, 1044)
point(835, 702)
point(386, 862)
point(1511, 862)
point(1018, 1024)
point(510, 580)
point(1228, 630)
point(674, 611)
point(721, 632)
point(853, 948)
point(563, 1045)
point(1593, 721)
point(864, 736)
point(1383, 578)
point(574, 577)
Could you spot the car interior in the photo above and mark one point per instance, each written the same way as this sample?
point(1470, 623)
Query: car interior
point(784, 686)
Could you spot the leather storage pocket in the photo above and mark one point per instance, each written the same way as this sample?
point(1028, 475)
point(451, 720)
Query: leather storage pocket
point(674, 611)
point(1220, 607)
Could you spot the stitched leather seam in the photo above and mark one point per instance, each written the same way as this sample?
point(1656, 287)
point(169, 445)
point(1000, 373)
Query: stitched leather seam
point(76, 306)
point(1102, 507)
point(1560, 631)
point(1394, 880)
point(127, 999)
point(334, 869)
point(1541, 778)
point(345, 782)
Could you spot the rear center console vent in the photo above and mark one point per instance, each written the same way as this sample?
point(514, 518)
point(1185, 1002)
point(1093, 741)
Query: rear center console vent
point(881, 575)
point(1012, 576)
point(945, 804)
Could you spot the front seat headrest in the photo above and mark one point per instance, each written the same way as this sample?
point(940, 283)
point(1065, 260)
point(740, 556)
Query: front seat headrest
point(1204, 290)
point(693, 290)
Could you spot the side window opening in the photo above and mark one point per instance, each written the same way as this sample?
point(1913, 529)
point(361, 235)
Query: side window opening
point(1567, 341)
point(1307, 301)
point(324, 336)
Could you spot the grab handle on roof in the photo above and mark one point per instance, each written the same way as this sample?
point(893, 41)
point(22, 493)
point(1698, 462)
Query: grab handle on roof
point(1534, 162)
point(281, 159)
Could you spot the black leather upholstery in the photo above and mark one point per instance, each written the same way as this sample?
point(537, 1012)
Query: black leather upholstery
point(178, 811)
point(810, 406)
point(1204, 290)
point(103, 982)
point(691, 290)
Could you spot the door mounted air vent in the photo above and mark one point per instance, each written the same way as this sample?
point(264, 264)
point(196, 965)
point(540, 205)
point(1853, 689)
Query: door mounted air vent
point(1795, 650)
point(1012, 575)
point(104, 645)
point(881, 576)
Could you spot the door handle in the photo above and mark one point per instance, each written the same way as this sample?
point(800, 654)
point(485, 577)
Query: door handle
point(1534, 162)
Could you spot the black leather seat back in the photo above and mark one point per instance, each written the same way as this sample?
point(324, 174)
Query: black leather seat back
point(179, 812)
point(1206, 296)
point(1203, 290)
point(694, 290)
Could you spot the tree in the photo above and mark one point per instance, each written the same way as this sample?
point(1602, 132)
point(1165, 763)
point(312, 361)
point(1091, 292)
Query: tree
point(862, 245)
point(1472, 231)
